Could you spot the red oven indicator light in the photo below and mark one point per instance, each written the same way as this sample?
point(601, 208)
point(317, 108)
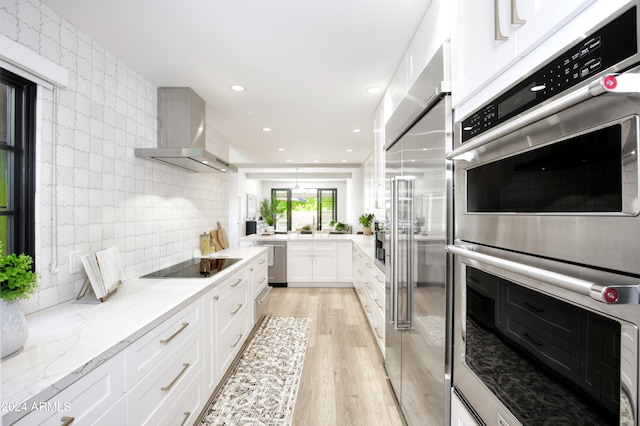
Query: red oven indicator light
point(610, 82)
point(610, 295)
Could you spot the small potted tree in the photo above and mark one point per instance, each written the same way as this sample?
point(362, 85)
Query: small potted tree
point(17, 281)
point(366, 220)
point(269, 211)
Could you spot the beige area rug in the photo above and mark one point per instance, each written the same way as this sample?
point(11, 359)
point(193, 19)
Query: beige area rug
point(263, 385)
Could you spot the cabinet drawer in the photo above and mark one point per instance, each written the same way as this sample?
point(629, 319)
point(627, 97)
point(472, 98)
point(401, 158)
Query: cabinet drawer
point(188, 405)
point(550, 315)
point(86, 400)
point(299, 246)
point(230, 340)
point(260, 279)
point(148, 400)
point(148, 351)
point(231, 284)
point(562, 356)
point(235, 306)
point(325, 246)
point(483, 283)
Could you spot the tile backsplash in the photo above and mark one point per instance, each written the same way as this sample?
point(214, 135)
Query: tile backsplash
point(91, 190)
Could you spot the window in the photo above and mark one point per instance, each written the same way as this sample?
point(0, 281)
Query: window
point(17, 163)
point(302, 207)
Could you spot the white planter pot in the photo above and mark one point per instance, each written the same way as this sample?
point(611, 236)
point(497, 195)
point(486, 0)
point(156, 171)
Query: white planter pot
point(14, 327)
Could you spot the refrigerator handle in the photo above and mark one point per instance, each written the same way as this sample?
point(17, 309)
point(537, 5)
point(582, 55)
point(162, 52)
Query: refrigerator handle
point(410, 254)
point(393, 257)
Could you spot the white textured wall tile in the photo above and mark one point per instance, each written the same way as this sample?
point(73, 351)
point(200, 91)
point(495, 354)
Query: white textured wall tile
point(97, 193)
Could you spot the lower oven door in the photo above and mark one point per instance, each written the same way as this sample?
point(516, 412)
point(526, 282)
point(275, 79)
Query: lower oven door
point(534, 343)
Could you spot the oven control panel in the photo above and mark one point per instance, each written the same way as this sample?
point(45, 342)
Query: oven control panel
point(604, 48)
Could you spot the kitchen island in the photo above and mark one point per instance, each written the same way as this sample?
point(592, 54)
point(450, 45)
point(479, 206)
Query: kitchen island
point(72, 341)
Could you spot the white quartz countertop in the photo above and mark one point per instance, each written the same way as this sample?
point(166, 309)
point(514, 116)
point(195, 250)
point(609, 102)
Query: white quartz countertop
point(366, 242)
point(71, 339)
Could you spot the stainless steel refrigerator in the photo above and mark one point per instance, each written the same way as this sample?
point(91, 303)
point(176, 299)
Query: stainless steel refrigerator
point(418, 270)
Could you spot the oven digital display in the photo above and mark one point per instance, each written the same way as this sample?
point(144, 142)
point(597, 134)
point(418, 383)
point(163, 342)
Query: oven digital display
point(519, 100)
point(579, 63)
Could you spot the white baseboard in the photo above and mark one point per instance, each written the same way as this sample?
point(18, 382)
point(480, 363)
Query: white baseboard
point(314, 284)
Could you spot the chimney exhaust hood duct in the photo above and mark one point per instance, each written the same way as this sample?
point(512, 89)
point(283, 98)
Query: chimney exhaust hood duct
point(181, 133)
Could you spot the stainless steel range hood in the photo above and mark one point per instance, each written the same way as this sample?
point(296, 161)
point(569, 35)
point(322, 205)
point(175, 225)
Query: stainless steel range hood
point(181, 133)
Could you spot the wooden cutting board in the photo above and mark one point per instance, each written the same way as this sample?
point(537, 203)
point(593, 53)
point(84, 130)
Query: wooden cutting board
point(222, 236)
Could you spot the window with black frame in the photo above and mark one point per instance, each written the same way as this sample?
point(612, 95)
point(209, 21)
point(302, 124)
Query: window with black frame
point(17, 163)
point(301, 208)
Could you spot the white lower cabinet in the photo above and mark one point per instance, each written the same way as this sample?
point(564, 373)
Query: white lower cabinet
point(163, 364)
point(166, 376)
point(96, 398)
point(368, 282)
point(318, 262)
point(460, 416)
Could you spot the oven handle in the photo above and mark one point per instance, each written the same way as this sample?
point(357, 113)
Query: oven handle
point(616, 294)
point(623, 84)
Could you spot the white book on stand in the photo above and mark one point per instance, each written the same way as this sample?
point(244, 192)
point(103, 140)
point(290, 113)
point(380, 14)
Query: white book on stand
point(104, 271)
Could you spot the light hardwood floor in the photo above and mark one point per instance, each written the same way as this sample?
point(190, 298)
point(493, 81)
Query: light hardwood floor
point(343, 379)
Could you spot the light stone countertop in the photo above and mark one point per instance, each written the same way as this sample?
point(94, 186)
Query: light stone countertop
point(69, 340)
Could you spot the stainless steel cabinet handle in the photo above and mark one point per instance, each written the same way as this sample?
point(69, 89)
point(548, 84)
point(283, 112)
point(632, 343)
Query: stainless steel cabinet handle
point(366, 308)
point(187, 414)
point(237, 341)
point(237, 309)
point(185, 366)
point(262, 261)
point(498, 36)
point(168, 339)
point(367, 284)
point(66, 421)
point(378, 303)
point(262, 280)
point(380, 280)
point(236, 283)
point(378, 333)
point(515, 19)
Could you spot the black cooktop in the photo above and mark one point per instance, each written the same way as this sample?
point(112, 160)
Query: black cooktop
point(194, 268)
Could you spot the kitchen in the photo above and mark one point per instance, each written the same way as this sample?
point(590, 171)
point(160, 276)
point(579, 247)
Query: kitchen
point(93, 192)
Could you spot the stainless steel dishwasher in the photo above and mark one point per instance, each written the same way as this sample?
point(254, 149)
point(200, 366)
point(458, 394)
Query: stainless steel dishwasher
point(277, 258)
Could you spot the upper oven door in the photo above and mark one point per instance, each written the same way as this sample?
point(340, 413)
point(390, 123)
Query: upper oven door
point(564, 187)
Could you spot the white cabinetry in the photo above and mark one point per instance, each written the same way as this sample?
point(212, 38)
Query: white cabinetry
point(163, 364)
point(345, 270)
point(259, 279)
point(96, 398)
point(318, 262)
point(368, 281)
point(227, 325)
point(460, 416)
point(493, 34)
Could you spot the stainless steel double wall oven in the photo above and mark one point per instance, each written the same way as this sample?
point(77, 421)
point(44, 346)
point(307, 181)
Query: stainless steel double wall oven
point(547, 251)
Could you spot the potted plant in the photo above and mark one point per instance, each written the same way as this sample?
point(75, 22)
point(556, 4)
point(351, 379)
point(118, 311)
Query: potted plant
point(366, 220)
point(17, 281)
point(268, 211)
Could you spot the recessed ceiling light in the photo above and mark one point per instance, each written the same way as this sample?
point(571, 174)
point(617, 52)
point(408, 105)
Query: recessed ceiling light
point(316, 161)
point(266, 129)
point(373, 90)
point(356, 130)
point(280, 149)
point(349, 150)
point(288, 161)
point(344, 161)
point(237, 88)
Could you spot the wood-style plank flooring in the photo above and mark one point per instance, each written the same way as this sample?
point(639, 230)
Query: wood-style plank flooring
point(343, 379)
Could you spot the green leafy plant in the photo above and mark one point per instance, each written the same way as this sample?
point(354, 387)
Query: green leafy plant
point(366, 220)
point(17, 278)
point(269, 210)
point(306, 228)
point(340, 226)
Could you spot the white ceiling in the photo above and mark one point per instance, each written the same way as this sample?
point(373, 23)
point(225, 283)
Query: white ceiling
point(305, 64)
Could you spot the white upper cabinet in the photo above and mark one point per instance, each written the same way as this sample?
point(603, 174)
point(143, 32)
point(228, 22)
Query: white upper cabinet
point(493, 34)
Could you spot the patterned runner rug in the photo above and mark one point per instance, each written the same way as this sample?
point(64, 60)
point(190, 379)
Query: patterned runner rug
point(263, 385)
